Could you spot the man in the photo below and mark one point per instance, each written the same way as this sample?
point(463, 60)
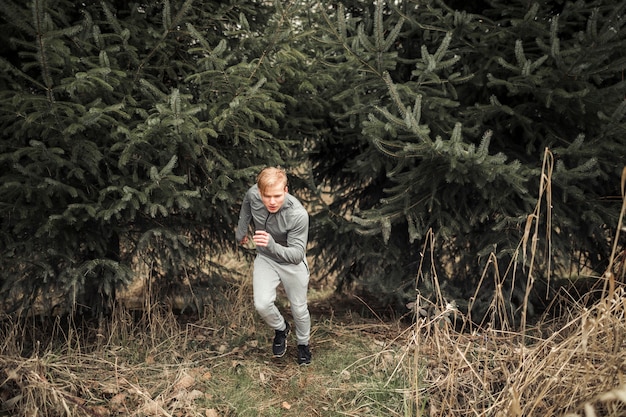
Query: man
point(281, 227)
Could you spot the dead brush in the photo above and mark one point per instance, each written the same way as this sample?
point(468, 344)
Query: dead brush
point(577, 369)
point(137, 363)
point(131, 367)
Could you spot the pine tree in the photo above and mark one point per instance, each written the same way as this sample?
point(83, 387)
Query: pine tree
point(447, 125)
point(130, 130)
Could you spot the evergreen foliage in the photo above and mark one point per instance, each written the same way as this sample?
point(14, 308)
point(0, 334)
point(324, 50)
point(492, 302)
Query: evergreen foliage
point(130, 130)
point(447, 122)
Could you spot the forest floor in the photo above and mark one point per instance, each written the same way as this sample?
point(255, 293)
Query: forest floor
point(364, 364)
point(164, 364)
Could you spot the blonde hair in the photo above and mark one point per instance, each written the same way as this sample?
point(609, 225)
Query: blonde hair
point(271, 176)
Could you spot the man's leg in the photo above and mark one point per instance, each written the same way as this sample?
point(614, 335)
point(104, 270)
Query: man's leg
point(295, 279)
point(265, 280)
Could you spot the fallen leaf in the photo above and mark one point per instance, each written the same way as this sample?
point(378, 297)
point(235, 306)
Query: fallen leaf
point(286, 405)
point(184, 382)
point(100, 411)
point(195, 394)
point(108, 388)
point(152, 408)
point(118, 399)
point(211, 412)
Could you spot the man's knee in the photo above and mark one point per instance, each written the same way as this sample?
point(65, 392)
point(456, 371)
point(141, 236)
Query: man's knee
point(263, 307)
point(300, 310)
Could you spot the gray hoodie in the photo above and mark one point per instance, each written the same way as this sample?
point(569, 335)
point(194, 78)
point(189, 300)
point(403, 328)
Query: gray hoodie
point(289, 227)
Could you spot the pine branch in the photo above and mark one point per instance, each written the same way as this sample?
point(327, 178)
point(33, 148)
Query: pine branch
point(38, 12)
point(167, 30)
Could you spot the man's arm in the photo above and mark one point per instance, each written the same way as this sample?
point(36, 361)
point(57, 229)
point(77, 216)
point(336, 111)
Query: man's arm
point(297, 237)
point(245, 215)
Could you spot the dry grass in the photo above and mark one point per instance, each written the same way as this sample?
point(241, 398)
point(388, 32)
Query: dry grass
point(164, 367)
point(576, 369)
point(161, 366)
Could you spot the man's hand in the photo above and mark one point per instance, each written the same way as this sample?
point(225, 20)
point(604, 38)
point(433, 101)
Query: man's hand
point(261, 238)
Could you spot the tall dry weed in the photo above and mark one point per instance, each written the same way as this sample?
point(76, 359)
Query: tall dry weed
point(573, 366)
point(139, 362)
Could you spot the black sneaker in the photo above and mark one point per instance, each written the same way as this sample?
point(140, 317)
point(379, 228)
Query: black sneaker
point(280, 342)
point(304, 355)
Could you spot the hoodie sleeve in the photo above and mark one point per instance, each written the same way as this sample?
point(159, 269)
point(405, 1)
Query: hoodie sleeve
point(245, 215)
point(297, 236)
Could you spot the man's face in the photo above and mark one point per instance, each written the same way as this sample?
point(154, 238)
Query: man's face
point(274, 197)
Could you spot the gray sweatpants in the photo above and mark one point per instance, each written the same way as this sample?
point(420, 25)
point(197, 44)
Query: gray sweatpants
point(266, 277)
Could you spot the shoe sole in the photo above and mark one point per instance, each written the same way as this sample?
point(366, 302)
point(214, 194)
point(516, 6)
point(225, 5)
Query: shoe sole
point(282, 354)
